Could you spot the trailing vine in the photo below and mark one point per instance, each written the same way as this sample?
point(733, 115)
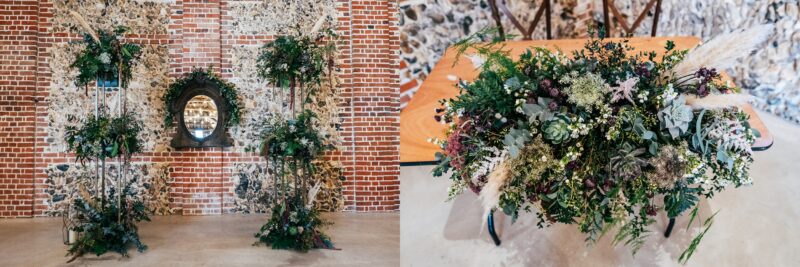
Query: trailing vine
point(226, 89)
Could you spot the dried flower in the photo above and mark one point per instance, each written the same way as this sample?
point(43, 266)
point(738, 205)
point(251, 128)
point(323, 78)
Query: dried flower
point(624, 90)
point(669, 167)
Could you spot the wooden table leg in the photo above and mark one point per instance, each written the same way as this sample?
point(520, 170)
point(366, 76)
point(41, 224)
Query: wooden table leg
point(490, 225)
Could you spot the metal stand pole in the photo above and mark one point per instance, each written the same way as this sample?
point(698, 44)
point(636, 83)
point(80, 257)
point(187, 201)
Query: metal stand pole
point(669, 227)
point(490, 224)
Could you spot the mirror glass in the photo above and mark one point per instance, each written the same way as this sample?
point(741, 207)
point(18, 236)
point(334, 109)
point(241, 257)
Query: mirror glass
point(200, 116)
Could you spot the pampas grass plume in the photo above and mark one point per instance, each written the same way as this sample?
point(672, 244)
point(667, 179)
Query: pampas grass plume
point(85, 25)
point(490, 194)
point(723, 50)
point(718, 101)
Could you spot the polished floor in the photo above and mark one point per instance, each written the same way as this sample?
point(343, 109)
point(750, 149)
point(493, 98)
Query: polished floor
point(364, 239)
point(757, 225)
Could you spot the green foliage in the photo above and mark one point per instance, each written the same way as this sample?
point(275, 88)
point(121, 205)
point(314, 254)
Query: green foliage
point(108, 228)
point(686, 254)
point(292, 147)
point(102, 137)
point(106, 59)
point(226, 89)
point(634, 233)
point(294, 227)
point(297, 139)
point(679, 200)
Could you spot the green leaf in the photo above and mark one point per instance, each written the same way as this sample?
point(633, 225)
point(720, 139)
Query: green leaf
point(687, 254)
point(679, 200)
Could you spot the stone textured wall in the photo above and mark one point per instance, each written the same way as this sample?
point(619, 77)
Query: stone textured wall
point(359, 108)
point(771, 73)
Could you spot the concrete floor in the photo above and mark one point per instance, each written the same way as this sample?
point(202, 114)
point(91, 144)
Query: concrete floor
point(756, 225)
point(364, 239)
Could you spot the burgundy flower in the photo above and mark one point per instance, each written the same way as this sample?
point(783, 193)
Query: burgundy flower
point(553, 92)
point(553, 106)
point(651, 210)
point(643, 71)
point(588, 183)
point(545, 84)
point(702, 91)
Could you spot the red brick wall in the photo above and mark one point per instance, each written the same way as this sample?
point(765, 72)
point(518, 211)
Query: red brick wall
point(370, 112)
point(17, 106)
point(199, 35)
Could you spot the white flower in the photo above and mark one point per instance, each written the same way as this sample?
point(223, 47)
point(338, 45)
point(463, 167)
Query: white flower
point(105, 58)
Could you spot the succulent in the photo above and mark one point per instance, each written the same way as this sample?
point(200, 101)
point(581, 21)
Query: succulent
point(627, 163)
point(676, 116)
point(556, 130)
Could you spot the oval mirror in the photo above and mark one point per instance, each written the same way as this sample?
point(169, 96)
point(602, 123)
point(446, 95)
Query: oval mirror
point(200, 116)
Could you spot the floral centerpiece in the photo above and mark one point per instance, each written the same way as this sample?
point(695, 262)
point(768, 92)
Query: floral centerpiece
point(596, 139)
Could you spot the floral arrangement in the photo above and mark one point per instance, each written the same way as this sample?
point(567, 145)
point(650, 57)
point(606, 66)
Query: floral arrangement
point(227, 90)
point(110, 226)
point(596, 138)
point(294, 226)
point(296, 62)
point(294, 146)
point(106, 57)
point(106, 222)
point(103, 137)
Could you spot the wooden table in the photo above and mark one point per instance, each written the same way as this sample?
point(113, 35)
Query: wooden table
point(416, 120)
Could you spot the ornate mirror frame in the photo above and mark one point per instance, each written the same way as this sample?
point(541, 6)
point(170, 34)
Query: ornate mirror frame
point(219, 137)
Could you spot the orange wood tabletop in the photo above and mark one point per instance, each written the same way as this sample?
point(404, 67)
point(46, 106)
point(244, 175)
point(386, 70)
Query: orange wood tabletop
point(416, 120)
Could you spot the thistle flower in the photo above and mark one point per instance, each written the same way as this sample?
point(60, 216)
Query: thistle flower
point(676, 116)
